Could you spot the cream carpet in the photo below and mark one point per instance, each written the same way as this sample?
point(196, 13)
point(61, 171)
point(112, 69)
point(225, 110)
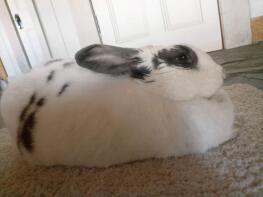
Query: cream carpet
point(233, 169)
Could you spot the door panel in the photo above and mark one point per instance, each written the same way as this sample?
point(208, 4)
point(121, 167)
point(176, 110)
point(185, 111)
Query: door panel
point(61, 28)
point(67, 26)
point(127, 25)
point(52, 29)
point(180, 14)
point(161, 22)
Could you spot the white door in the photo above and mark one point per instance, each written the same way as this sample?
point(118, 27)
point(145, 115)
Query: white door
point(68, 25)
point(137, 23)
point(30, 31)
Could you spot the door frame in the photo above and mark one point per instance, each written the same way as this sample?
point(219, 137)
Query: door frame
point(17, 34)
point(230, 12)
point(38, 27)
point(11, 51)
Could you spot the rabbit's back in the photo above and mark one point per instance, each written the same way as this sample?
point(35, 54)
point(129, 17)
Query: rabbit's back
point(73, 116)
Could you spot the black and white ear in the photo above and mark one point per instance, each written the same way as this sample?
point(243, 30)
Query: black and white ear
point(108, 59)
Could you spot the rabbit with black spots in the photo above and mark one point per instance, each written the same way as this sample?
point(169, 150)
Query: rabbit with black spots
point(115, 105)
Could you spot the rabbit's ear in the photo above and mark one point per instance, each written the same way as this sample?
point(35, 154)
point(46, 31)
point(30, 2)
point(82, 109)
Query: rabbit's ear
point(108, 59)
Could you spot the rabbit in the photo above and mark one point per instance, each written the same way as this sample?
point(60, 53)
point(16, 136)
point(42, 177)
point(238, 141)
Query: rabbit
point(114, 105)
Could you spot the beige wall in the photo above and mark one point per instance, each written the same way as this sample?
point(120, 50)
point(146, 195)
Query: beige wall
point(3, 74)
point(256, 13)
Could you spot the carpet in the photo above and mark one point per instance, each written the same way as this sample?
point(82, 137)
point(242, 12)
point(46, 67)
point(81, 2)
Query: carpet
point(233, 169)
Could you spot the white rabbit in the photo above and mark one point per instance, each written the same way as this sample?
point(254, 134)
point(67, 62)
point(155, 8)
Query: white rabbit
point(130, 104)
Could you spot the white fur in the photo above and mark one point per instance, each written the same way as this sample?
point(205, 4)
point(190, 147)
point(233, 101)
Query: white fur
point(102, 120)
point(184, 84)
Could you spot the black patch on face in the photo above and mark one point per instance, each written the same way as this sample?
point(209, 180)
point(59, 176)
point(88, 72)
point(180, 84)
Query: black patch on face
point(63, 89)
point(26, 131)
point(68, 64)
point(50, 76)
point(179, 55)
point(41, 102)
point(52, 61)
point(140, 73)
point(27, 107)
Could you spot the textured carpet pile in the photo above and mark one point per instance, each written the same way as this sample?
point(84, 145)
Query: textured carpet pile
point(233, 169)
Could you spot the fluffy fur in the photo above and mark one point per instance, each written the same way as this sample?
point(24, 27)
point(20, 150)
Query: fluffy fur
point(81, 117)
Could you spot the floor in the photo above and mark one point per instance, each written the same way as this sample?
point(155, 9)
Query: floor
point(242, 65)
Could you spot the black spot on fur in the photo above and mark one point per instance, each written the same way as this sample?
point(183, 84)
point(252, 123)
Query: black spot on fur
point(50, 75)
point(68, 64)
point(63, 89)
point(26, 132)
point(140, 73)
point(27, 107)
point(41, 102)
point(52, 61)
point(28, 122)
point(180, 56)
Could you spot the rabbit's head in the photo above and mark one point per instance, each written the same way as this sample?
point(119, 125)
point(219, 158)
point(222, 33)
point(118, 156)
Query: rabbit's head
point(179, 72)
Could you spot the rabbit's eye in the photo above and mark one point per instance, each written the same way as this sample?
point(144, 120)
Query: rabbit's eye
point(182, 57)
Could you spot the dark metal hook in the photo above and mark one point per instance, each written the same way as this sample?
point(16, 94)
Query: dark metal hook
point(18, 21)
